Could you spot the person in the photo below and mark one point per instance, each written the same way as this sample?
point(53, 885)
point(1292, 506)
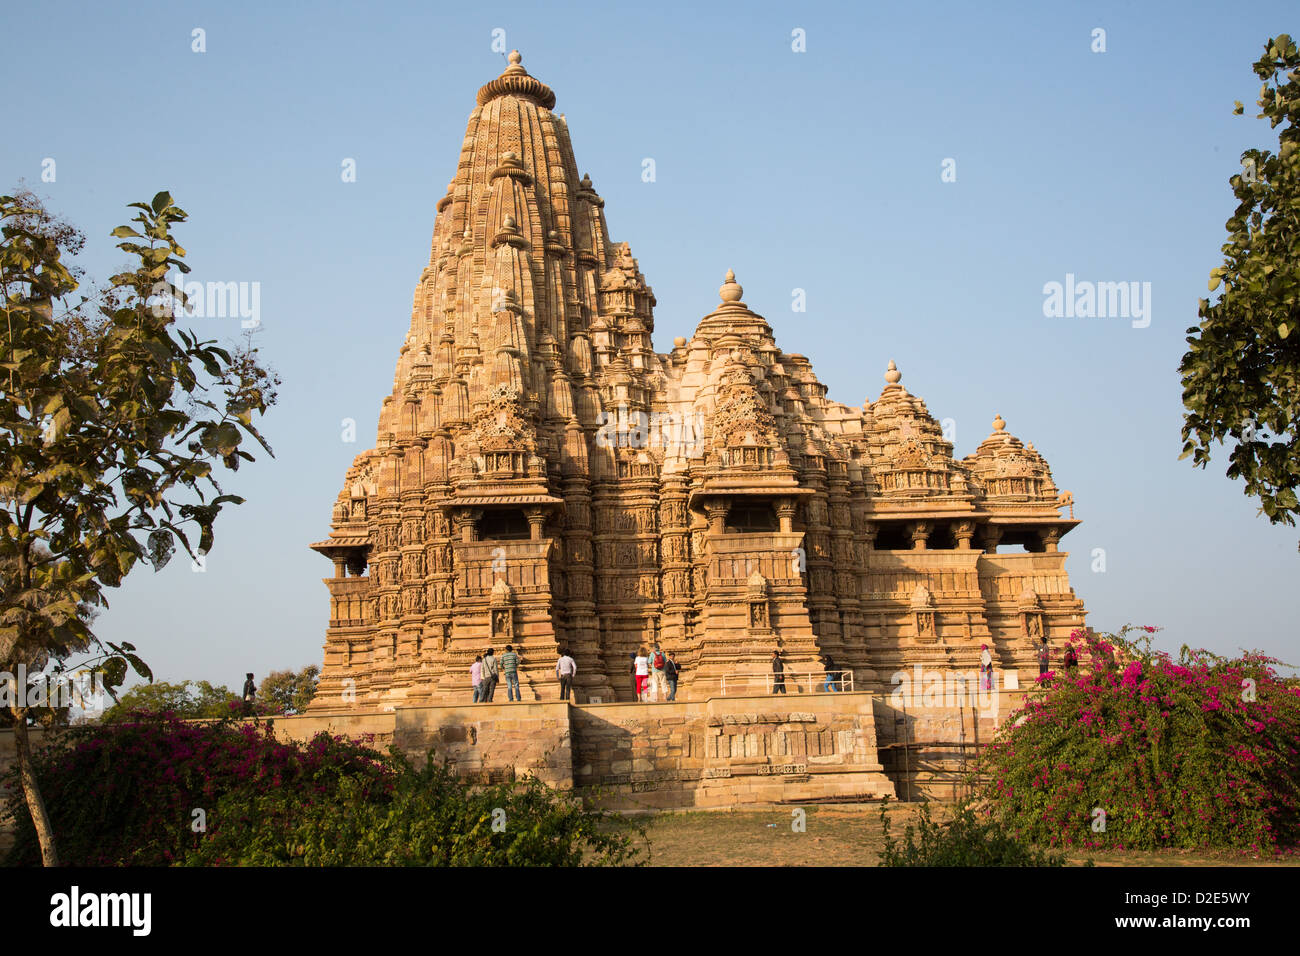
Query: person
point(829, 663)
point(1044, 657)
point(986, 667)
point(250, 693)
point(631, 669)
point(476, 677)
point(1071, 659)
point(659, 685)
point(510, 668)
point(778, 673)
point(641, 667)
point(565, 668)
point(490, 671)
point(671, 673)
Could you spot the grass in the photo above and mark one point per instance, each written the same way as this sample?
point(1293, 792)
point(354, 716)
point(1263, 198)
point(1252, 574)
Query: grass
point(845, 837)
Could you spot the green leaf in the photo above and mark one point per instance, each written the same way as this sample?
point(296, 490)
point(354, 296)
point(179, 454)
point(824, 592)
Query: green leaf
point(113, 671)
point(161, 548)
point(161, 201)
point(1283, 330)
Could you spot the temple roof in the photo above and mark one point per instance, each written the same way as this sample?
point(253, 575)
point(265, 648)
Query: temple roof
point(531, 332)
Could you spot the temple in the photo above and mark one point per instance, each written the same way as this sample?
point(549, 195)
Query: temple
point(544, 478)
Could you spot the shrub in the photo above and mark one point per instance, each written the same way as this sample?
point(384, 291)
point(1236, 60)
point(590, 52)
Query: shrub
point(125, 794)
point(428, 818)
point(966, 840)
point(1136, 750)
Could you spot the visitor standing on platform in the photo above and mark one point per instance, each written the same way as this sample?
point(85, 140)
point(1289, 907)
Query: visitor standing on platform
point(641, 667)
point(671, 673)
point(659, 680)
point(510, 668)
point(1044, 657)
point(1071, 660)
point(490, 672)
point(986, 667)
point(565, 668)
point(476, 677)
point(829, 663)
point(250, 693)
point(778, 673)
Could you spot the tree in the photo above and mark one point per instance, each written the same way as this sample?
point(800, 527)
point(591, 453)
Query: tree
point(111, 421)
point(286, 691)
point(1241, 373)
point(187, 699)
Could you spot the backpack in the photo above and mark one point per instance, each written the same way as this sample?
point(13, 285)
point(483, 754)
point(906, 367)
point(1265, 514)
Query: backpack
point(659, 660)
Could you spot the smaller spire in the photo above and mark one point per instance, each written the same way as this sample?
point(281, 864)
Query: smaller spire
point(892, 375)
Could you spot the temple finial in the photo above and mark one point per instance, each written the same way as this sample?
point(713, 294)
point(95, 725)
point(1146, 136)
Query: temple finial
point(892, 375)
point(998, 423)
point(731, 290)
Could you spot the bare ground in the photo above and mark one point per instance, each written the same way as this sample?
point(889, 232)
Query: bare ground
point(845, 836)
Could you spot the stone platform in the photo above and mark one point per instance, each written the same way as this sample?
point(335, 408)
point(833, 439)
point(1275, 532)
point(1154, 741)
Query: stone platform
point(714, 753)
point(705, 754)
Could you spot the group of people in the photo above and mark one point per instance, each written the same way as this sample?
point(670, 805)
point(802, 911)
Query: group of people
point(1071, 660)
point(655, 674)
point(487, 670)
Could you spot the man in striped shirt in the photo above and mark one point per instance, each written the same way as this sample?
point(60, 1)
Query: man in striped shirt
point(510, 668)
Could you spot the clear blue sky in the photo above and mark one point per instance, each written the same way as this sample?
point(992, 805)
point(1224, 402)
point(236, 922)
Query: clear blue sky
point(817, 170)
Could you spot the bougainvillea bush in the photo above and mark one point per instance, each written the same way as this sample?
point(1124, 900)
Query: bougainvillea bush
point(1134, 749)
point(129, 793)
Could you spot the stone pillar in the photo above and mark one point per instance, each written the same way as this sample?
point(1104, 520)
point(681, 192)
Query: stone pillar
point(992, 535)
point(920, 533)
point(785, 511)
point(716, 509)
point(1050, 537)
point(964, 531)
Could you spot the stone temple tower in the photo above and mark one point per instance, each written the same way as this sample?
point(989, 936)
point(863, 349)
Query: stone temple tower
point(544, 478)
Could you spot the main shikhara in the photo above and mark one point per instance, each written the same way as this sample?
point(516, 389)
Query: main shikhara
point(517, 494)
